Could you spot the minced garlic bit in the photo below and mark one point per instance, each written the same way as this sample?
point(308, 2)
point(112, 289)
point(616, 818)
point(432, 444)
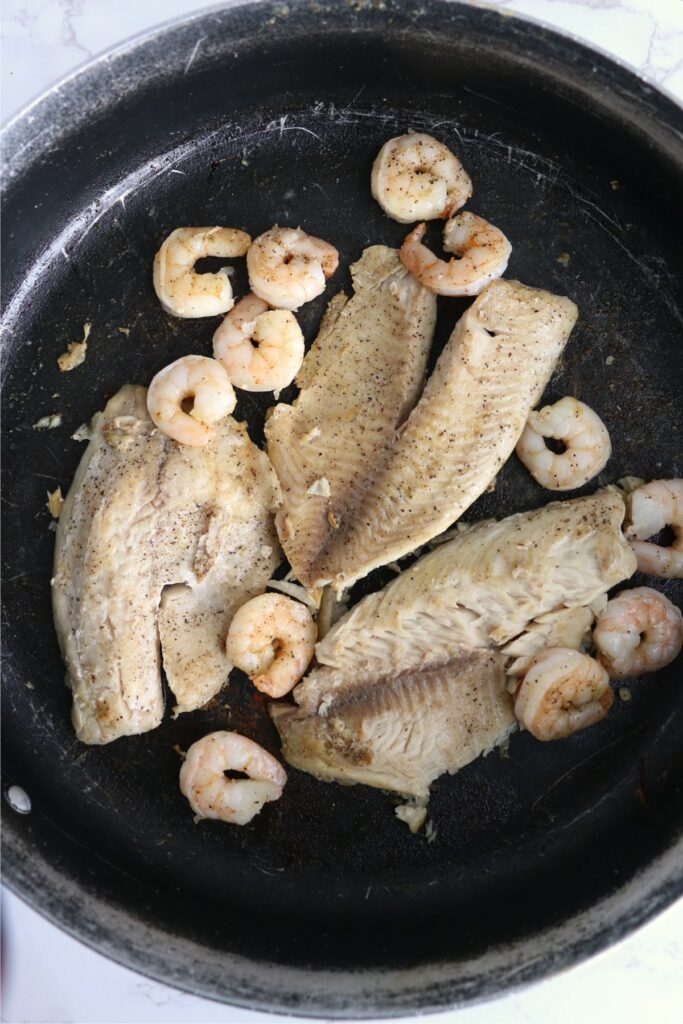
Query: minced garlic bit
point(331, 610)
point(430, 831)
point(332, 520)
point(320, 487)
point(83, 433)
point(630, 483)
point(75, 353)
point(609, 360)
point(49, 422)
point(54, 502)
point(413, 813)
point(296, 591)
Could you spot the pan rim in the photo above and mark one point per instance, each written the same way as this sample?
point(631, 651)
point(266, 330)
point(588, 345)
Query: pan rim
point(362, 996)
point(16, 121)
point(657, 885)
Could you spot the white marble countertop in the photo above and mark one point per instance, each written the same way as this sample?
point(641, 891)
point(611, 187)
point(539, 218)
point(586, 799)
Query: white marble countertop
point(51, 978)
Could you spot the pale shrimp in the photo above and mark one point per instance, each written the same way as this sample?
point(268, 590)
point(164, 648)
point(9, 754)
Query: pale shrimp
point(212, 795)
point(287, 267)
point(272, 639)
point(651, 508)
point(415, 177)
point(183, 292)
point(262, 349)
point(481, 254)
point(188, 396)
point(639, 631)
point(563, 691)
point(584, 435)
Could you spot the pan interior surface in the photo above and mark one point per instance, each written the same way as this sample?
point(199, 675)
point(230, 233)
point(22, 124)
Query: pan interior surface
point(325, 904)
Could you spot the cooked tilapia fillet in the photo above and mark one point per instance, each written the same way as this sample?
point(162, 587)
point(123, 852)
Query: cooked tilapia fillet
point(483, 588)
point(144, 514)
point(410, 682)
point(403, 731)
point(488, 378)
point(358, 384)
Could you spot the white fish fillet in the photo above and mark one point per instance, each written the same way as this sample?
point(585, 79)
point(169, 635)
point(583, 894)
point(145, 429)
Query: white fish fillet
point(358, 383)
point(156, 540)
point(401, 732)
point(485, 586)
point(400, 656)
point(489, 377)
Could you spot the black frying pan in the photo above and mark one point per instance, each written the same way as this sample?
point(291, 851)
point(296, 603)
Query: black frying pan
point(251, 115)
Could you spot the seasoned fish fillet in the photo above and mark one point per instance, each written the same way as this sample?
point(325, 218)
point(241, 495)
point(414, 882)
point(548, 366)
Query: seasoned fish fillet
point(358, 384)
point(485, 586)
point(410, 682)
point(156, 541)
point(488, 378)
point(402, 731)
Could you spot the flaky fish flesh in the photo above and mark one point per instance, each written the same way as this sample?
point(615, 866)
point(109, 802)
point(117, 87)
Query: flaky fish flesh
point(444, 620)
point(486, 585)
point(358, 384)
point(429, 469)
point(402, 731)
point(157, 545)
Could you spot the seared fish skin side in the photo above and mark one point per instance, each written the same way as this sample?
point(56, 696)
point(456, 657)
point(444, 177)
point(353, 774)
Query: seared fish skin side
point(473, 410)
point(144, 514)
point(401, 732)
point(485, 587)
point(358, 383)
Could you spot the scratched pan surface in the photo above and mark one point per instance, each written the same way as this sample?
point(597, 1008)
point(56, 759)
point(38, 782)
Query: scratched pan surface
point(246, 116)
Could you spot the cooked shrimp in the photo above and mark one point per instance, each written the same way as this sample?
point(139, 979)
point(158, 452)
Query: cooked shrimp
point(195, 380)
point(639, 631)
point(287, 267)
point(415, 177)
point(585, 436)
point(272, 639)
point(212, 795)
point(482, 252)
point(262, 349)
point(563, 691)
point(651, 508)
point(185, 293)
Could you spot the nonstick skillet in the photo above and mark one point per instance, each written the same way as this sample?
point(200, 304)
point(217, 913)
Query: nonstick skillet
point(246, 116)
